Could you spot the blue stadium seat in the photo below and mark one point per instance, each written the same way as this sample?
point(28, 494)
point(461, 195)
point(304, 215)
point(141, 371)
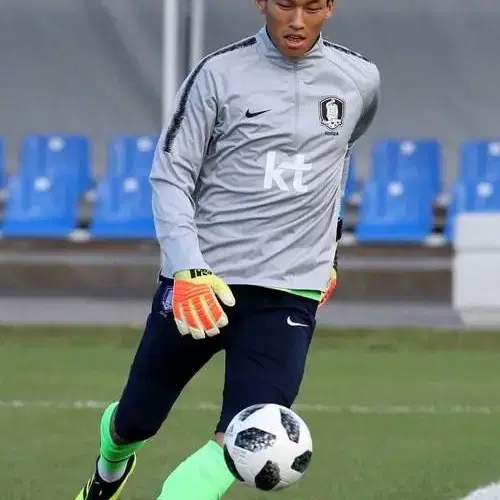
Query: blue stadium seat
point(123, 209)
point(130, 156)
point(477, 197)
point(394, 211)
point(43, 207)
point(409, 160)
point(53, 156)
point(479, 160)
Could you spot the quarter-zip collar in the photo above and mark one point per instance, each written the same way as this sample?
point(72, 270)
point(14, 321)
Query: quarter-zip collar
point(269, 50)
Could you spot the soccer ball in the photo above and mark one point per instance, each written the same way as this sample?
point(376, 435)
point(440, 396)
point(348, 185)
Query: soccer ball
point(267, 446)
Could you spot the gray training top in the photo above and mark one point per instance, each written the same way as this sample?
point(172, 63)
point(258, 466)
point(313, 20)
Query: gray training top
point(249, 172)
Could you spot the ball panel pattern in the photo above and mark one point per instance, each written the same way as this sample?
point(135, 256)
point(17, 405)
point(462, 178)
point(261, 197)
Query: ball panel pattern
point(301, 462)
point(231, 465)
point(292, 427)
point(267, 447)
point(268, 477)
point(253, 439)
point(243, 415)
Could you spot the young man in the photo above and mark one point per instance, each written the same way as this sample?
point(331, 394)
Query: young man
point(247, 183)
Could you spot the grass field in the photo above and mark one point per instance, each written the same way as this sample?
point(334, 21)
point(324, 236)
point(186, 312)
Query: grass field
point(395, 415)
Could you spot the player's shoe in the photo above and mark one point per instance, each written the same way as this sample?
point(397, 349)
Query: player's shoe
point(98, 489)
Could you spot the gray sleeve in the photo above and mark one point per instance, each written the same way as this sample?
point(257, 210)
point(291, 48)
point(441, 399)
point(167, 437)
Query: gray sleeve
point(176, 166)
point(371, 102)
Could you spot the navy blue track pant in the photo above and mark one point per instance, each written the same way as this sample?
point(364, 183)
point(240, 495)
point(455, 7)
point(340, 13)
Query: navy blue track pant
point(265, 344)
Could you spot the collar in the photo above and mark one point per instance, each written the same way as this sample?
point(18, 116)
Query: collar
point(269, 50)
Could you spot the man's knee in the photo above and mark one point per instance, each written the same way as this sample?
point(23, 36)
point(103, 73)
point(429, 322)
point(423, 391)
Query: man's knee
point(243, 393)
point(133, 425)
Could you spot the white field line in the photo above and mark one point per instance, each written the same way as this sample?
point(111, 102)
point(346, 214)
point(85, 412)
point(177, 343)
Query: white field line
point(371, 409)
point(489, 492)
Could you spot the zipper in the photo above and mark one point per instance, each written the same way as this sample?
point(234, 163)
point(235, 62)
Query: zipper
point(297, 107)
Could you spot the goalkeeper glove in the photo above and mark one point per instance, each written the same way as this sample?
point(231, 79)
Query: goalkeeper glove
point(332, 279)
point(332, 283)
point(195, 305)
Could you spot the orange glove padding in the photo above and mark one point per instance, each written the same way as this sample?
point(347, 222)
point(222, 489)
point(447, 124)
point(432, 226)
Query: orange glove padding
point(333, 278)
point(332, 285)
point(195, 305)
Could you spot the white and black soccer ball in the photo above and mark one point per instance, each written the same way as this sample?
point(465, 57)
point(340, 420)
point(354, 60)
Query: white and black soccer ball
point(267, 446)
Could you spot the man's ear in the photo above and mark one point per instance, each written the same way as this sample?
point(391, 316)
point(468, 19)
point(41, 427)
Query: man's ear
point(261, 5)
point(332, 4)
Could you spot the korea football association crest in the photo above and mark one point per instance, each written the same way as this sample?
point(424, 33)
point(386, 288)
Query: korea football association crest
point(331, 112)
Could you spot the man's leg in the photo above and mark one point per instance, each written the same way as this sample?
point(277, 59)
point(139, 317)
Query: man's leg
point(265, 360)
point(267, 353)
point(203, 475)
point(164, 363)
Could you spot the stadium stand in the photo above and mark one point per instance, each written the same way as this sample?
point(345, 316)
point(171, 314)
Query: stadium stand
point(58, 156)
point(395, 203)
point(409, 161)
point(394, 211)
point(398, 197)
point(123, 202)
point(123, 209)
point(40, 207)
point(477, 187)
point(479, 160)
point(130, 155)
point(54, 173)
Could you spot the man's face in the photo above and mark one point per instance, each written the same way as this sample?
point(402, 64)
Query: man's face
point(294, 25)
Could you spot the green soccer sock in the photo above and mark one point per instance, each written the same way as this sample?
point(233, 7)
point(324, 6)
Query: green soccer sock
point(202, 476)
point(113, 456)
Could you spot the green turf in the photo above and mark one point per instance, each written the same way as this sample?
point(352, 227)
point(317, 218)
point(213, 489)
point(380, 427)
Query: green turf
point(47, 453)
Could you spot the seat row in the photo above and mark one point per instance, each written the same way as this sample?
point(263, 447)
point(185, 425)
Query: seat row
point(406, 182)
point(396, 199)
point(55, 175)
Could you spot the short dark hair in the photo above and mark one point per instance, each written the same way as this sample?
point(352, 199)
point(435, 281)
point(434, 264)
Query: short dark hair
point(327, 1)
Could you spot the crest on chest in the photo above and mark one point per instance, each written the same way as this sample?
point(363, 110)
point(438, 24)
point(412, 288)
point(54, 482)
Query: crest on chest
point(331, 114)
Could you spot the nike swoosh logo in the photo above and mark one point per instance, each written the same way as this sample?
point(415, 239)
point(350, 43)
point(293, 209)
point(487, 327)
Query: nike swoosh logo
point(249, 114)
point(292, 323)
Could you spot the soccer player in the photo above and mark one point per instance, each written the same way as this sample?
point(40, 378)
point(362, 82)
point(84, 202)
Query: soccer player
point(248, 179)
